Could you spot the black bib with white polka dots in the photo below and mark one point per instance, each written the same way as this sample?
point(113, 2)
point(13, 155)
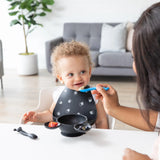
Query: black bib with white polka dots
point(76, 102)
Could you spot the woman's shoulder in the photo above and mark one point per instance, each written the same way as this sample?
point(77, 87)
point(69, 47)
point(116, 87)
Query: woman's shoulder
point(156, 149)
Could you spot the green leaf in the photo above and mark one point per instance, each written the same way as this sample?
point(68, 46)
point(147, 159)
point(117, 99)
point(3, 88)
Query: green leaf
point(29, 25)
point(23, 17)
point(47, 9)
point(20, 16)
point(14, 22)
point(42, 14)
point(32, 16)
point(33, 7)
point(12, 8)
point(32, 21)
point(13, 13)
point(48, 2)
point(14, 5)
point(26, 4)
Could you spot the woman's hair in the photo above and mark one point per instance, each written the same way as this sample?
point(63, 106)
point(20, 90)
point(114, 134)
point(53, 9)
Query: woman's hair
point(67, 49)
point(146, 49)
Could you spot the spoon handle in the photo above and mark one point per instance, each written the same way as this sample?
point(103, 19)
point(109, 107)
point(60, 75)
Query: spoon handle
point(31, 135)
point(93, 88)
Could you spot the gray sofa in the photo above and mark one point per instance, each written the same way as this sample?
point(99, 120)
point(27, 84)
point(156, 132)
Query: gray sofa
point(1, 64)
point(105, 63)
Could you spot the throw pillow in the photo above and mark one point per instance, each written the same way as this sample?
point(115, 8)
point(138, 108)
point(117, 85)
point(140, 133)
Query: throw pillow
point(113, 38)
point(130, 31)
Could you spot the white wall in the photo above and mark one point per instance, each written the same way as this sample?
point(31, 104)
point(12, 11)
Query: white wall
point(63, 11)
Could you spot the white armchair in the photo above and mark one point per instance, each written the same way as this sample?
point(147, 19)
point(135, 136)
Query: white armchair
point(45, 101)
point(1, 64)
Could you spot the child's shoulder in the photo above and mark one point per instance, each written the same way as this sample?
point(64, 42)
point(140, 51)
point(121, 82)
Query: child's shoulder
point(57, 88)
point(57, 92)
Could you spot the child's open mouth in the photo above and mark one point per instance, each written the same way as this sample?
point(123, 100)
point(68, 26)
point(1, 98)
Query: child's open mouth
point(81, 84)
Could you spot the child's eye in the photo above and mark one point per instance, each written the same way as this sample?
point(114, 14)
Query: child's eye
point(70, 74)
point(82, 72)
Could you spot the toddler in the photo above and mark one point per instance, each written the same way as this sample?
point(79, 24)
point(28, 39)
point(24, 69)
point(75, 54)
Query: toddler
point(72, 66)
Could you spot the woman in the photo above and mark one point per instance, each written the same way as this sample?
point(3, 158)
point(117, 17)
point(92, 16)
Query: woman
point(146, 55)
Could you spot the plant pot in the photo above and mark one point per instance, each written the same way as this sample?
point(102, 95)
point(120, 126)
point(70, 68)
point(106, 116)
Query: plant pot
point(27, 64)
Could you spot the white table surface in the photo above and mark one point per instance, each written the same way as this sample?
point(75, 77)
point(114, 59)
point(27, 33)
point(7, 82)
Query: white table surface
point(97, 144)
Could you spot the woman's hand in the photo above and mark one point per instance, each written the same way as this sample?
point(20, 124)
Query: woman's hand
point(130, 154)
point(109, 98)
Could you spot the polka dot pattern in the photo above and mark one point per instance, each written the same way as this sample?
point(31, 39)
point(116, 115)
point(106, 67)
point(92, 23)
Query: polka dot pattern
point(75, 102)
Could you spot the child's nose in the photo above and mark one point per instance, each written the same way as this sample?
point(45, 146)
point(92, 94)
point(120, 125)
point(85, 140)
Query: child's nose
point(78, 77)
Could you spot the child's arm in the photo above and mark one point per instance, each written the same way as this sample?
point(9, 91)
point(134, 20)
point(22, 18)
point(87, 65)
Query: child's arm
point(101, 121)
point(40, 117)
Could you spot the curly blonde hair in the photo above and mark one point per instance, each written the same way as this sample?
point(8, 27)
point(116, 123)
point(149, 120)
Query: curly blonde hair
point(67, 49)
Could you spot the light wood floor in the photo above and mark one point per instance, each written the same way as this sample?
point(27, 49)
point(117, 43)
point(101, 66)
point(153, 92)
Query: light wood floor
point(20, 93)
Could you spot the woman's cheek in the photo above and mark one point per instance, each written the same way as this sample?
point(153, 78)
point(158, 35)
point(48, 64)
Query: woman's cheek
point(134, 67)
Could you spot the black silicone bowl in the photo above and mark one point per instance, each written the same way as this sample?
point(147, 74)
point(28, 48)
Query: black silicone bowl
point(73, 125)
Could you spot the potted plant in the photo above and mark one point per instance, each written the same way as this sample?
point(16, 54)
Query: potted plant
point(25, 13)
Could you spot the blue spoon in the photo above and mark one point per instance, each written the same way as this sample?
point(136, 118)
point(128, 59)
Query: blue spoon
point(93, 88)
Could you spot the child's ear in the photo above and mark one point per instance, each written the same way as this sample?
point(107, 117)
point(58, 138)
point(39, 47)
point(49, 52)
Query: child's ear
point(60, 78)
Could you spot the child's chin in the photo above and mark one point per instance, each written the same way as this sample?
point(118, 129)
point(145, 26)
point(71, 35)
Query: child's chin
point(75, 88)
point(82, 87)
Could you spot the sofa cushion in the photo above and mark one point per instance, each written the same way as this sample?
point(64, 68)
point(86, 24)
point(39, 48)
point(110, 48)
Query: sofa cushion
point(113, 38)
point(115, 59)
point(90, 33)
point(130, 31)
point(94, 57)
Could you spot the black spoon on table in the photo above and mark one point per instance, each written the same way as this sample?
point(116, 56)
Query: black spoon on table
point(21, 131)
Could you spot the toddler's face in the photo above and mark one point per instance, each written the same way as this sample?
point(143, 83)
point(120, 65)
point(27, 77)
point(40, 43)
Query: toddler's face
point(75, 71)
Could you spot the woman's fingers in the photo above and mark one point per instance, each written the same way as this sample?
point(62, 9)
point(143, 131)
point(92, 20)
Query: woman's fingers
point(100, 92)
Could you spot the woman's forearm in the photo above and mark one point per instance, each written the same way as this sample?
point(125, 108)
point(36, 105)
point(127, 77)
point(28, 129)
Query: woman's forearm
point(133, 117)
